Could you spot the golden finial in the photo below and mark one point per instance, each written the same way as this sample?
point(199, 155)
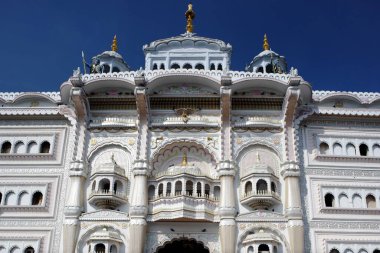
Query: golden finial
point(184, 159)
point(114, 44)
point(190, 16)
point(266, 44)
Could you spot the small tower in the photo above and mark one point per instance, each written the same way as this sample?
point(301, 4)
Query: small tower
point(109, 61)
point(268, 61)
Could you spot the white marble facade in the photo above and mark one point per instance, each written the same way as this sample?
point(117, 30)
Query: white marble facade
point(187, 150)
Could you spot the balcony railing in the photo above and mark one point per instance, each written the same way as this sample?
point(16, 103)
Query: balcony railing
point(107, 198)
point(260, 198)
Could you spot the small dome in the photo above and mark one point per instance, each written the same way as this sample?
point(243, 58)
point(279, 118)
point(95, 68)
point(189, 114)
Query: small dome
point(109, 61)
point(268, 61)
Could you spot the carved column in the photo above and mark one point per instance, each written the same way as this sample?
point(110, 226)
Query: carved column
point(291, 172)
point(139, 201)
point(226, 171)
point(75, 196)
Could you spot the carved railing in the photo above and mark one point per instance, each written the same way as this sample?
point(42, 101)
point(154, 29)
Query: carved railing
point(119, 194)
point(190, 194)
point(260, 193)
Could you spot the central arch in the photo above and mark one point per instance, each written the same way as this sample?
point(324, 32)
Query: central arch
point(183, 245)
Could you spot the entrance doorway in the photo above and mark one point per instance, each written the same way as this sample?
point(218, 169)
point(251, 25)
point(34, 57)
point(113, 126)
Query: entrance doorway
point(183, 245)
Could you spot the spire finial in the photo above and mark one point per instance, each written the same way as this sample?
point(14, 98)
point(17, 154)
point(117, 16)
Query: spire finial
point(114, 44)
point(266, 43)
point(190, 16)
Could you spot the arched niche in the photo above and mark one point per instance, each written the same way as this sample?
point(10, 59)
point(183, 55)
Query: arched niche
point(108, 152)
point(257, 154)
point(190, 156)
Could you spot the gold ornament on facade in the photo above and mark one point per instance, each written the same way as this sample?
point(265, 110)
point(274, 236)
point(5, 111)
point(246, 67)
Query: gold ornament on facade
point(184, 159)
point(266, 43)
point(190, 16)
point(114, 44)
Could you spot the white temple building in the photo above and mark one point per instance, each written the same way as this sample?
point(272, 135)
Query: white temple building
point(189, 156)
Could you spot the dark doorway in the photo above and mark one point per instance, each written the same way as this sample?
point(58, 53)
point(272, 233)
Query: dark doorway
point(183, 245)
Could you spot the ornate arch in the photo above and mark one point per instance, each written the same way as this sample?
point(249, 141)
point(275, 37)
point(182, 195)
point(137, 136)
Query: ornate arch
point(266, 227)
point(243, 148)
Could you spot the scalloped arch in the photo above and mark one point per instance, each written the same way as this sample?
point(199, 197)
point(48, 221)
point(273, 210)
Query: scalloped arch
point(246, 146)
point(256, 227)
point(102, 145)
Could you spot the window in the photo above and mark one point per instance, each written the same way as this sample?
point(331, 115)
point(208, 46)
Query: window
point(250, 249)
point(376, 151)
point(37, 199)
point(329, 200)
point(357, 201)
point(169, 189)
point(106, 68)
point(160, 189)
point(337, 149)
point(32, 148)
point(162, 66)
point(154, 66)
point(376, 251)
point(261, 186)
point(45, 147)
point(263, 248)
point(363, 149)
point(174, 66)
point(115, 70)
point(199, 189)
point(29, 250)
point(273, 186)
point(6, 147)
point(178, 188)
point(260, 70)
point(323, 148)
point(113, 249)
point(15, 249)
point(104, 185)
point(207, 190)
point(189, 188)
point(93, 186)
point(269, 68)
point(216, 192)
point(151, 191)
point(118, 187)
point(20, 147)
point(371, 201)
point(199, 66)
point(212, 66)
point(1, 197)
point(100, 248)
point(248, 188)
point(343, 200)
point(10, 199)
point(350, 149)
point(220, 67)
point(334, 251)
point(23, 199)
point(187, 66)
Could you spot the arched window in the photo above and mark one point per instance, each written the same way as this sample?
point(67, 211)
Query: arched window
point(32, 148)
point(207, 190)
point(199, 189)
point(155, 66)
point(113, 249)
point(23, 199)
point(323, 148)
point(248, 188)
point(162, 66)
point(29, 250)
point(363, 251)
point(104, 185)
point(168, 189)
point(160, 189)
point(151, 192)
point(337, 148)
point(199, 66)
point(178, 188)
point(20, 147)
point(117, 186)
point(212, 66)
point(15, 249)
point(37, 199)
point(6, 147)
point(45, 147)
point(343, 200)
point(10, 199)
point(269, 68)
point(263, 248)
point(187, 66)
point(371, 201)
point(217, 192)
point(189, 188)
point(261, 186)
point(334, 251)
point(329, 200)
point(376, 150)
point(220, 67)
point(363, 150)
point(350, 149)
point(100, 248)
point(357, 201)
point(274, 249)
point(174, 66)
point(106, 68)
point(250, 249)
point(273, 186)
point(260, 70)
point(115, 70)
point(376, 251)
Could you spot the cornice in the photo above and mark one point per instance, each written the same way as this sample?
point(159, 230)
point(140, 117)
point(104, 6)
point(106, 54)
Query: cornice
point(11, 97)
point(362, 97)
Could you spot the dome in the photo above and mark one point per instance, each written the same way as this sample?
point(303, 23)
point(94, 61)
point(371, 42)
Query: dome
point(188, 51)
point(268, 61)
point(109, 61)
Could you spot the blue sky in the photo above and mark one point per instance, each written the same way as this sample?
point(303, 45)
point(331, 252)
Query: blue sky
point(335, 44)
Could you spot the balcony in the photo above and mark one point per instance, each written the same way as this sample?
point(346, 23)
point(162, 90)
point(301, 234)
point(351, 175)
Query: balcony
point(260, 199)
point(183, 205)
point(106, 199)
